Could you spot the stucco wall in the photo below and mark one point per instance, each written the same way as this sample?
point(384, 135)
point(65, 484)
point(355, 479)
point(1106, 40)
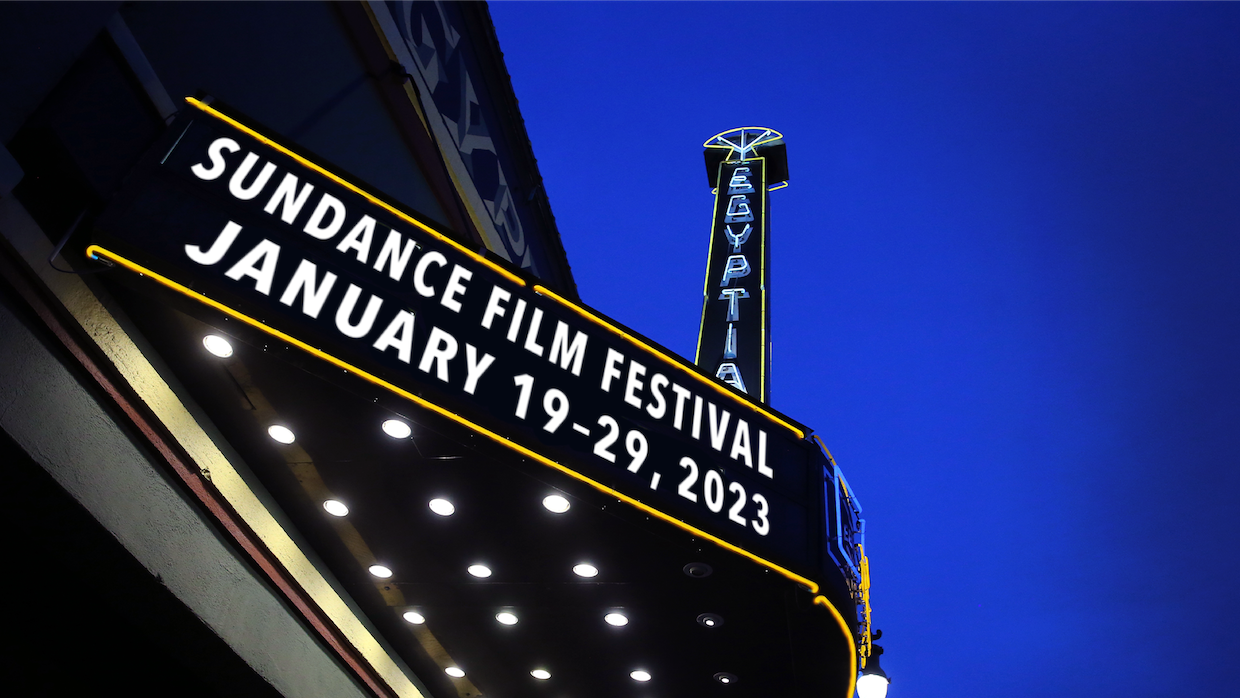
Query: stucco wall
point(71, 435)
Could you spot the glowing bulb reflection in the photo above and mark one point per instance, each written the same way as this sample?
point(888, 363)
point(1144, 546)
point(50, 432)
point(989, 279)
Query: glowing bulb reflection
point(397, 429)
point(217, 345)
point(555, 503)
point(281, 433)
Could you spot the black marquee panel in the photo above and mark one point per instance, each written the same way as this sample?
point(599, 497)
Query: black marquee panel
point(229, 218)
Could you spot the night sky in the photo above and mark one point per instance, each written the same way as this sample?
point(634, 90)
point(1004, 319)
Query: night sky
point(1006, 293)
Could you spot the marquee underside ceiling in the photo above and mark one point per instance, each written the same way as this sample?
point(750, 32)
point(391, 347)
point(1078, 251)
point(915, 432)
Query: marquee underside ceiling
point(768, 638)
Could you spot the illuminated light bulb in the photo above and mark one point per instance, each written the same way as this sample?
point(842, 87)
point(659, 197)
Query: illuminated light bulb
point(872, 686)
point(380, 571)
point(336, 507)
point(454, 672)
point(397, 429)
point(506, 618)
point(616, 619)
point(541, 674)
point(555, 503)
point(481, 571)
point(442, 507)
point(640, 675)
point(281, 433)
point(873, 680)
point(414, 617)
point(217, 345)
point(586, 570)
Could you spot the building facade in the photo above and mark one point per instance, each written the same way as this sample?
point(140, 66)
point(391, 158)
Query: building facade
point(298, 396)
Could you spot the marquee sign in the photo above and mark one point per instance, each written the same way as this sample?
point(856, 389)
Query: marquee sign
point(232, 219)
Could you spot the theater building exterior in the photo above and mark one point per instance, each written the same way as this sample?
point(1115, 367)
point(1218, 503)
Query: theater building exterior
point(298, 396)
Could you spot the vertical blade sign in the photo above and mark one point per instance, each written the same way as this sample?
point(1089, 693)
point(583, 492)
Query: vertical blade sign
point(732, 344)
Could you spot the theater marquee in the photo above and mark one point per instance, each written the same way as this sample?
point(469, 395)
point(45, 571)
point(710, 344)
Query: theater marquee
point(232, 219)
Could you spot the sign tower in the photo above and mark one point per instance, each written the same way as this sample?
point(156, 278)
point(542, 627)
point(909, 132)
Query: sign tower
point(742, 166)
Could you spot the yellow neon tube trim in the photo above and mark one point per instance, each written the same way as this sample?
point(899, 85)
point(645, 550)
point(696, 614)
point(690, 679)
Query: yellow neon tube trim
point(852, 656)
point(359, 191)
point(543, 290)
point(95, 251)
point(867, 641)
point(824, 448)
point(710, 248)
point(766, 255)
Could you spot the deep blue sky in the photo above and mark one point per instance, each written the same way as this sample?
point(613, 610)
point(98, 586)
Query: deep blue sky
point(1006, 282)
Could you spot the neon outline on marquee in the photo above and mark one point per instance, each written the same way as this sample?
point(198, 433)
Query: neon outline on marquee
point(98, 252)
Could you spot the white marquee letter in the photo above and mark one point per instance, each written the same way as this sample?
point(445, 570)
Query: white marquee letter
point(266, 253)
point(359, 239)
point(566, 353)
point(314, 226)
point(218, 249)
point(610, 368)
point(236, 184)
point(474, 368)
point(288, 195)
point(399, 334)
point(419, 272)
point(495, 306)
point(440, 348)
point(313, 294)
point(394, 256)
point(455, 288)
point(634, 384)
point(345, 311)
point(217, 159)
point(740, 443)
